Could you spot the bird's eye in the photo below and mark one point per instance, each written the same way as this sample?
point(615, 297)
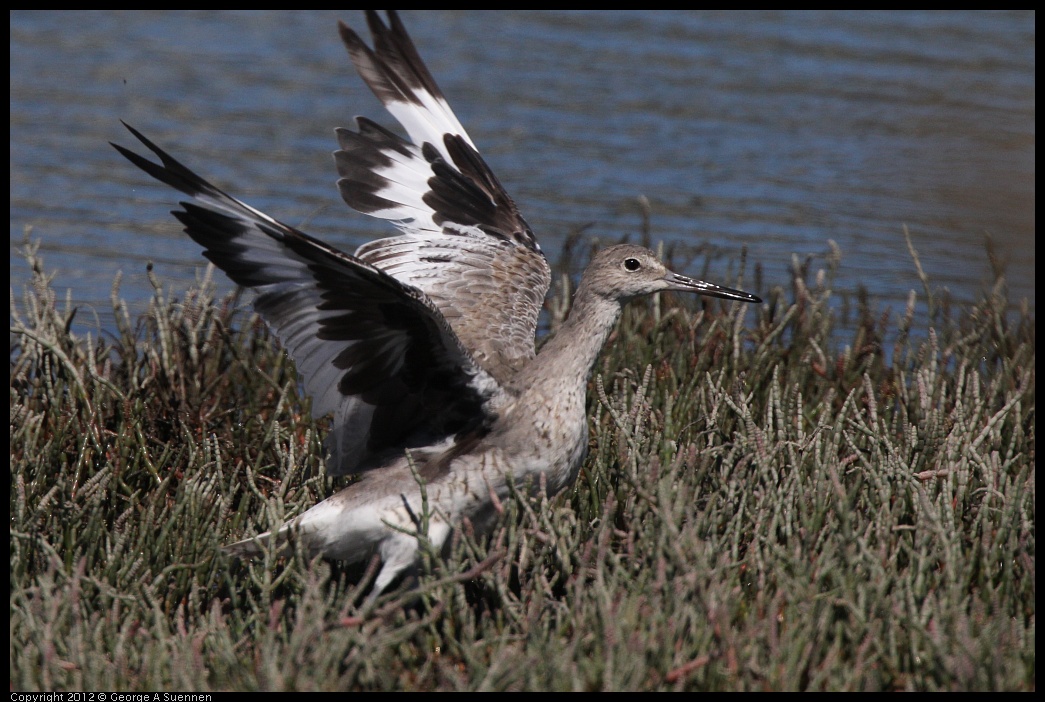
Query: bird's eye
point(632, 264)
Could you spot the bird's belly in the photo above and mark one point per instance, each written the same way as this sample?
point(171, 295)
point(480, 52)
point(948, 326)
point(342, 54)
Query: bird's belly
point(549, 454)
point(350, 524)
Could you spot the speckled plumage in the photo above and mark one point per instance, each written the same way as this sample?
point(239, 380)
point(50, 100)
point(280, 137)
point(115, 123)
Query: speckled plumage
point(422, 345)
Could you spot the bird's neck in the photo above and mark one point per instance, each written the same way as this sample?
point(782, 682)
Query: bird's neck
point(568, 357)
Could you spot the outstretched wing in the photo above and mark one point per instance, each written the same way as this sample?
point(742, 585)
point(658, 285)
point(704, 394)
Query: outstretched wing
point(372, 349)
point(463, 241)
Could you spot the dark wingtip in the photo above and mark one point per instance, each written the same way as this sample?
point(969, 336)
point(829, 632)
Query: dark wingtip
point(375, 23)
point(169, 170)
point(142, 138)
point(153, 169)
point(348, 35)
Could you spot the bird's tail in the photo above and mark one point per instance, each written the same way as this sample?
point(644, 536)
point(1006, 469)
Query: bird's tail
point(258, 545)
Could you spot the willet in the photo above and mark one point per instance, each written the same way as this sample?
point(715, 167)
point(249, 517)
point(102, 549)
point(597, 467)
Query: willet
point(422, 344)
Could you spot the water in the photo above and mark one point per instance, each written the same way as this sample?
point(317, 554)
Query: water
point(774, 131)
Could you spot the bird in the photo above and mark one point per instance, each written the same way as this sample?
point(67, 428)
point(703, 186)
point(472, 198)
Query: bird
point(422, 344)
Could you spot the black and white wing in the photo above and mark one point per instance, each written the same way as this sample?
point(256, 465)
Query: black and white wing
point(463, 240)
point(371, 348)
